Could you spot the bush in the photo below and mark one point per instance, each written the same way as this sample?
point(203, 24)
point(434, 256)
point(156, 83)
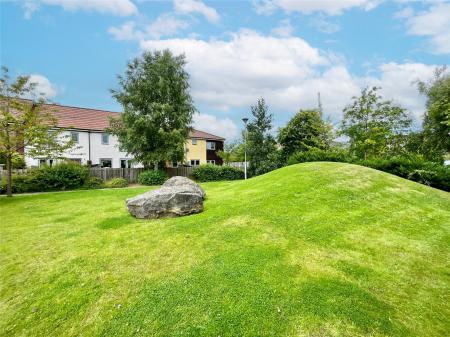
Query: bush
point(116, 183)
point(411, 167)
point(93, 182)
point(60, 177)
point(334, 155)
point(152, 178)
point(20, 184)
point(215, 173)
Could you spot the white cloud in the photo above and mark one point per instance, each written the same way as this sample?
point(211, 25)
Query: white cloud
point(115, 7)
point(196, 6)
point(324, 26)
point(284, 29)
point(126, 32)
point(165, 25)
point(328, 7)
point(224, 127)
point(287, 72)
point(43, 86)
point(433, 23)
point(399, 83)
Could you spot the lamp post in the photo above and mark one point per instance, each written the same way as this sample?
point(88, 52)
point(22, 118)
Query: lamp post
point(245, 120)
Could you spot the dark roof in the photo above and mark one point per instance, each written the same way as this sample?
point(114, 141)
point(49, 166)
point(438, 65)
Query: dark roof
point(204, 135)
point(70, 117)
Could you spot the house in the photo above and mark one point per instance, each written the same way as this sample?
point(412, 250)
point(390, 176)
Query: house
point(87, 127)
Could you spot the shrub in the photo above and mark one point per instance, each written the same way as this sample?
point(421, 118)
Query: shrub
point(152, 178)
point(116, 182)
point(20, 184)
point(60, 177)
point(215, 173)
point(93, 182)
point(334, 155)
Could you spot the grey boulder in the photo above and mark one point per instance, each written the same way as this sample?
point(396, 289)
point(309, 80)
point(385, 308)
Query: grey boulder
point(178, 196)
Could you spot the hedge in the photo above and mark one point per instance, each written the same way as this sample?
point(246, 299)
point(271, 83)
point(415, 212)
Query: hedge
point(210, 172)
point(152, 178)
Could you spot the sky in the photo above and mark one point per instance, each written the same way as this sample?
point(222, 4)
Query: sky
point(236, 51)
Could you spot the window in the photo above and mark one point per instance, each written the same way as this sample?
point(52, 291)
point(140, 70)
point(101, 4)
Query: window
point(105, 138)
point(211, 162)
point(105, 162)
point(174, 164)
point(125, 163)
point(194, 141)
point(75, 136)
point(210, 145)
point(43, 162)
point(195, 162)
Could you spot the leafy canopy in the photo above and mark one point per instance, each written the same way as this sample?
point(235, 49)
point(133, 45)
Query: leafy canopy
point(158, 108)
point(261, 145)
point(436, 126)
point(306, 130)
point(27, 124)
point(374, 126)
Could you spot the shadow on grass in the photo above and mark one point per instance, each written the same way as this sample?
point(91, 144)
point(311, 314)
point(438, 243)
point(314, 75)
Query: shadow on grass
point(328, 298)
point(115, 222)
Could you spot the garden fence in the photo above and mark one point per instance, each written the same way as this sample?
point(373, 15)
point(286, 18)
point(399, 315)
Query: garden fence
point(106, 173)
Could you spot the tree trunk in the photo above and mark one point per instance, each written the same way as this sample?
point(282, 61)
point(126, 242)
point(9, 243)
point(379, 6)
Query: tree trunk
point(8, 176)
point(155, 167)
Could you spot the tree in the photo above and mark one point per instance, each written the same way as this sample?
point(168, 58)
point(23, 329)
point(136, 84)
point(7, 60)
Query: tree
point(26, 124)
point(304, 131)
point(158, 108)
point(436, 125)
point(374, 126)
point(232, 152)
point(261, 145)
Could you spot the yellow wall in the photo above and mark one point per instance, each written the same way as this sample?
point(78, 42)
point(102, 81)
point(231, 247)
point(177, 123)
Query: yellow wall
point(196, 151)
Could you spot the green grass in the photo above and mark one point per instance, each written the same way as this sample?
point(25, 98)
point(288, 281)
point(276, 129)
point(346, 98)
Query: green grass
point(316, 249)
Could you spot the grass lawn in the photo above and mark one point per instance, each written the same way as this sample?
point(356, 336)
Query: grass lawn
point(316, 249)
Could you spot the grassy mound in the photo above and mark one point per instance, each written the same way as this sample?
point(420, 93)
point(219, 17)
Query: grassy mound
point(315, 249)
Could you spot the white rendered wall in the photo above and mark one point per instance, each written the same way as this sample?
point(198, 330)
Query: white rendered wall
point(97, 150)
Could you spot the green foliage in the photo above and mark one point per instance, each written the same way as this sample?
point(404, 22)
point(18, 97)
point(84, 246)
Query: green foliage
point(436, 126)
point(232, 152)
point(210, 172)
point(304, 131)
point(333, 155)
point(158, 108)
point(413, 167)
point(17, 161)
point(60, 177)
point(152, 177)
point(93, 182)
point(261, 145)
point(20, 184)
point(373, 126)
point(116, 183)
point(27, 123)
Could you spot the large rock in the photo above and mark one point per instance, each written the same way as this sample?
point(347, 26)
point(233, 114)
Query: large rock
point(177, 196)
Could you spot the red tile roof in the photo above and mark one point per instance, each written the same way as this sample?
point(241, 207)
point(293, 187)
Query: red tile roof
point(70, 117)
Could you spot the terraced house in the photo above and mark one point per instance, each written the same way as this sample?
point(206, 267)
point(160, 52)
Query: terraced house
point(87, 127)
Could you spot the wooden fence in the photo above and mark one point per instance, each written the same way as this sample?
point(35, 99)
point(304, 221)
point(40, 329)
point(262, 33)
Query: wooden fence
point(106, 173)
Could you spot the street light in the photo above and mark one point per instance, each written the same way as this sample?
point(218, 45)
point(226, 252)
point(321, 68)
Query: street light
point(245, 120)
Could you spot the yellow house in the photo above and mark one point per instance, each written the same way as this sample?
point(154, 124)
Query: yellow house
point(201, 148)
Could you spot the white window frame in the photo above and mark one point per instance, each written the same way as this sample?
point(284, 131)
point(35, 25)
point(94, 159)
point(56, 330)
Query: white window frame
point(194, 141)
point(107, 141)
point(105, 159)
point(196, 162)
point(212, 161)
point(75, 136)
point(208, 145)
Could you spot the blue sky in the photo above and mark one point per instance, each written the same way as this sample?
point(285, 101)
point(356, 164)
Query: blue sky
point(237, 51)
